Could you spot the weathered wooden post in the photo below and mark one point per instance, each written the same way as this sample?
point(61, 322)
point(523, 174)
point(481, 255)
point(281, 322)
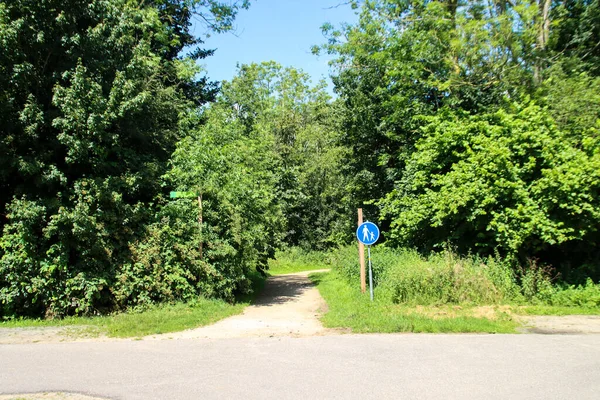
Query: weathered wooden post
point(361, 257)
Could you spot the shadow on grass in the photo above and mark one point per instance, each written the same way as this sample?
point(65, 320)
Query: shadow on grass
point(317, 277)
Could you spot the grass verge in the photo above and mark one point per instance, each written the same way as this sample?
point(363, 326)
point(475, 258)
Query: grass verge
point(350, 309)
point(164, 318)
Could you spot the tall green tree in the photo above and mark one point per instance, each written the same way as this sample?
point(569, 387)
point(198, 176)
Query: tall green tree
point(440, 111)
point(234, 172)
point(408, 59)
point(575, 34)
point(304, 125)
point(91, 96)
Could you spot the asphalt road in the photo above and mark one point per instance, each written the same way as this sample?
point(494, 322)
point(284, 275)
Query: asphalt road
point(320, 367)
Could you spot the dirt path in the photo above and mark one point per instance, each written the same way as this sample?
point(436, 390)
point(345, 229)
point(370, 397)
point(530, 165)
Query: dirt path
point(566, 324)
point(289, 305)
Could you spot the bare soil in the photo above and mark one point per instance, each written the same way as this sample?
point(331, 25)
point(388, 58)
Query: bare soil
point(49, 334)
point(566, 324)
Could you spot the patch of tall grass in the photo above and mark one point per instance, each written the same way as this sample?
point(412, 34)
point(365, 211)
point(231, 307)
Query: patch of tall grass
point(349, 309)
point(404, 276)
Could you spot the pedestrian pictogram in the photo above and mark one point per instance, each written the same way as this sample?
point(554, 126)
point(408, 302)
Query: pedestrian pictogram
point(367, 233)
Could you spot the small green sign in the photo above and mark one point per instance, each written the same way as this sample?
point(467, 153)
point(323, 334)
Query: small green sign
point(180, 195)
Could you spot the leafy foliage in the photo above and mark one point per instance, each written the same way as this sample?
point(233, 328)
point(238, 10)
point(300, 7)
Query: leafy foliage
point(301, 124)
point(90, 105)
point(511, 182)
point(408, 59)
point(233, 172)
point(404, 276)
point(440, 115)
point(264, 159)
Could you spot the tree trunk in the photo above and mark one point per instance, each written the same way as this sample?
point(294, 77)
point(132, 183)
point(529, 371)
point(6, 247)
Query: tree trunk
point(452, 6)
point(542, 39)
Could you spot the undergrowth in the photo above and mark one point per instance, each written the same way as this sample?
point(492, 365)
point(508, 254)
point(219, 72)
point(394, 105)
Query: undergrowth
point(350, 309)
point(405, 277)
point(153, 319)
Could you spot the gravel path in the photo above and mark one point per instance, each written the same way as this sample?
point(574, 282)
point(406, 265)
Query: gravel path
point(289, 305)
point(48, 396)
point(566, 324)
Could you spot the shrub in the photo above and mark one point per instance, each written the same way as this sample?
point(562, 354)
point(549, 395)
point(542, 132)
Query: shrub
point(587, 295)
point(510, 181)
point(405, 276)
point(166, 264)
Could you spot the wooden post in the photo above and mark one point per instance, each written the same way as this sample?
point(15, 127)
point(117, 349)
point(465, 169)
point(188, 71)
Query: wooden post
point(200, 221)
point(361, 257)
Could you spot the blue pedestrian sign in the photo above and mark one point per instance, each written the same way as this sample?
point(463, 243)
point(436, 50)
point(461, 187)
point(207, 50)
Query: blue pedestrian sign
point(367, 233)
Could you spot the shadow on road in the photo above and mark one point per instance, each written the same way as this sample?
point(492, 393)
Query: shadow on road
point(282, 289)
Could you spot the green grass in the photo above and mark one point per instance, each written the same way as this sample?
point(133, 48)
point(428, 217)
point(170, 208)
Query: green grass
point(296, 260)
point(169, 318)
point(350, 309)
point(154, 320)
point(157, 319)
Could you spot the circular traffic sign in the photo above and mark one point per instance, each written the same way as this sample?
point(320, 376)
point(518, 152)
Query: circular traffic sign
point(367, 233)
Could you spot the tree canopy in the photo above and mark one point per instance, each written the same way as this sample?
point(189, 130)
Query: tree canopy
point(465, 124)
point(90, 105)
point(475, 124)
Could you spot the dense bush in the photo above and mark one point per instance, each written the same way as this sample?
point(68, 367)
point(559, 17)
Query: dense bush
point(164, 265)
point(92, 94)
point(510, 182)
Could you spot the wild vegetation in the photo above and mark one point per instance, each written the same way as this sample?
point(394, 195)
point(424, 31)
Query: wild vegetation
point(403, 276)
point(475, 125)
point(471, 125)
point(92, 96)
point(442, 292)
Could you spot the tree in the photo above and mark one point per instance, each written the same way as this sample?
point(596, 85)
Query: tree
point(303, 125)
point(405, 60)
point(509, 181)
point(90, 104)
point(234, 172)
point(575, 34)
point(441, 114)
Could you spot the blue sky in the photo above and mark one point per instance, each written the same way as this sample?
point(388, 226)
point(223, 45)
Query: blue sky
point(279, 30)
